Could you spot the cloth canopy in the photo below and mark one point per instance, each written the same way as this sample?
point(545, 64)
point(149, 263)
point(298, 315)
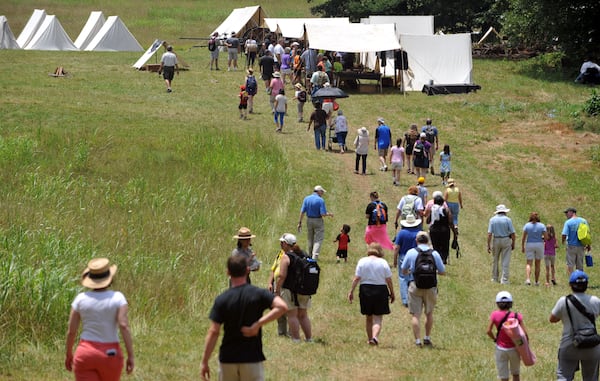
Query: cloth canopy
point(418, 25)
point(352, 38)
point(294, 27)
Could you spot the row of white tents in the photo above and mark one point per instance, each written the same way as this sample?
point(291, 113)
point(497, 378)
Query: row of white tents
point(44, 32)
point(432, 58)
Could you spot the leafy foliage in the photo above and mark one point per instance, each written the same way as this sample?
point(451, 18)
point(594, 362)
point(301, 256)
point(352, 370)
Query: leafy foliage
point(592, 105)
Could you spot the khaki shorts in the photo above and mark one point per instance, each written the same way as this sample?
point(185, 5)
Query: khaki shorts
point(303, 300)
point(575, 256)
point(534, 250)
point(250, 371)
point(419, 299)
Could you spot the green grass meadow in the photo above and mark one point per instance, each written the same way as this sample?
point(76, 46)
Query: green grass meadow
point(104, 162)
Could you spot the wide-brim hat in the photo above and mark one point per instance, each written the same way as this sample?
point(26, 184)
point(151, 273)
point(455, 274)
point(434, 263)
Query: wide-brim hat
point(411, 221)
point(451, 181)
point(276, 74)
point(98, 274)
point(244, 233)
point(501, 209)
point(363, 131)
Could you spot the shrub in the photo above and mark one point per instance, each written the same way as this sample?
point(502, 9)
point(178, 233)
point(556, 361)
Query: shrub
point(592, 105)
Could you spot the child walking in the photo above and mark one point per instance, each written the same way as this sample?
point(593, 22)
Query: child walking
point(343, 239)
point(445, 164)
point(280, 110)
point(243, 106)
point(300, 96)
point(550, 246)
point(508, 361)
point(397, 160)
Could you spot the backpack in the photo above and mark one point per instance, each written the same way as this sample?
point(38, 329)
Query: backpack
point(425, 272)
point(409, 206)
point(378, 214)
point(322, 78)
point(303, 274)
point(212, 44)
point(583, 234)
point(419, 150)
point(430, 134)
point(251, 85)
point(302, 96)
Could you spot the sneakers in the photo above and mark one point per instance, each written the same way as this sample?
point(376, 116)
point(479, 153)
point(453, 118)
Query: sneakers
point(385, 168)
point(553, 282)
point(427, 341)
point(418, 342)
point(528, 282)
point(374, 341)
point(169, 90)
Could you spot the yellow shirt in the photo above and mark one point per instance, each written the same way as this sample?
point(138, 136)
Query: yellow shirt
point(453, 193)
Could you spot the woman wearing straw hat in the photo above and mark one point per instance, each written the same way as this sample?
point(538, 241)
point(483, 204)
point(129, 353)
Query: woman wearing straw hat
point(244, 247)
point(101, 312)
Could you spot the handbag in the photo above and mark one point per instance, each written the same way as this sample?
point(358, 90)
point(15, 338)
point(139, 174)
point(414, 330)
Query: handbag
point(582, 337)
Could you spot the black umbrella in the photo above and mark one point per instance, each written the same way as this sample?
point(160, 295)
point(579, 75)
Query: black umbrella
point(330, 92)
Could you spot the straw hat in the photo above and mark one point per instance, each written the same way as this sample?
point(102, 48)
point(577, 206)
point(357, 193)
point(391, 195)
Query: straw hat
point(501, 209)
point(244, 233)
point(276, 74)
point(363, 131)
point(98, 274)
point(411, 221)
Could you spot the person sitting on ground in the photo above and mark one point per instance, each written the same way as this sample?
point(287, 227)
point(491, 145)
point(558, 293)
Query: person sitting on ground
point(589, 72)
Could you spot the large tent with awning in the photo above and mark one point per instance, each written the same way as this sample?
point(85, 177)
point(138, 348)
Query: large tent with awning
point(294, 27)
point(242, 21)
point(352, 38)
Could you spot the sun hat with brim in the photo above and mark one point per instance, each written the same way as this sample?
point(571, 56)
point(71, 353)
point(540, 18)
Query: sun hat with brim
point(363, 131)
point(501, 209)
point(276, 75)
point(504, 296)
point(451, 181)
point(411, 221)
point(319, 188)
point(244, 233)
point(578, 276)
point(98, 274)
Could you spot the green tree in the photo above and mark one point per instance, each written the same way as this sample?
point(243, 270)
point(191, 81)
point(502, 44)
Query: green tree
point(567, 25)
point(451, 16)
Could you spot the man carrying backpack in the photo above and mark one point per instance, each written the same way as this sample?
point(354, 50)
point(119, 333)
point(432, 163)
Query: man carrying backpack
point(297, 304)
point(377, 217)
point(575, 248)
point(421, 266)
point(409, 204)
point(431, 133)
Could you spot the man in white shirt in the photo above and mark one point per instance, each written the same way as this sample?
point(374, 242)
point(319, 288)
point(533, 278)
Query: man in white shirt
point(168, 65)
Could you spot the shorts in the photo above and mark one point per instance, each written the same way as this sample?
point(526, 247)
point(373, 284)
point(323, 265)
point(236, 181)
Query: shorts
point(419, 298)
point(507, 362)
point(534, 250)
point(342, 253)
point(103, 360)
point(248, 371)
point(397, 165)
point(243, 107)
point(374, 299)
point(291, 300)
point(214, 54)
point(549, 260)
point(233, 53)
point(383, 152)
point(168, 72)
point(575, 256)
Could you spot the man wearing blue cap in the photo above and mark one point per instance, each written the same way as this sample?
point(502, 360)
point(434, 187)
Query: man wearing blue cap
point(578, 310)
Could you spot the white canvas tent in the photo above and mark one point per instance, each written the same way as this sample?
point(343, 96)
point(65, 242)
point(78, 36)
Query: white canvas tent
point(31, 27)
point(353, 37)
point(90, 29)
point(242, 20)
point(443, 59)
point(294, 27)
point(113, 37)
point(7, 38)
point(50, 36)
point(148, 54)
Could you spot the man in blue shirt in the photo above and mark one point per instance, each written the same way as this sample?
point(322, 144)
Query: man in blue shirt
point(314, 208)
point(502, 231)
point(575, 249)
point(383, 141)
point(421, 299)
point(405, 240)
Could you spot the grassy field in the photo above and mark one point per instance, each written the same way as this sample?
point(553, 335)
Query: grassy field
point(105, 162)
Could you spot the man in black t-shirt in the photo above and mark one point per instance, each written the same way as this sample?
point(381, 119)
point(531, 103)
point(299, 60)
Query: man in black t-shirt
point(240, 311)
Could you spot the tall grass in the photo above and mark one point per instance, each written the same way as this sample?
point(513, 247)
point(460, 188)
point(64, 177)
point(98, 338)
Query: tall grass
point(105, 163)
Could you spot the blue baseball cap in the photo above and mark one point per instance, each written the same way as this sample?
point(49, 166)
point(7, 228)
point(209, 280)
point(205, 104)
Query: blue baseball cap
point(578, 276)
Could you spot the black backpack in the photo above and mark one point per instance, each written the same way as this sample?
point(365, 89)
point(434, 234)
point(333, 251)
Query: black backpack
point(378, 214)
point(425, 273)
point(430, 134)
point(251, 85)
point(303, 274)
point(302, 96)
point(212, 44)
point(419, 150)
